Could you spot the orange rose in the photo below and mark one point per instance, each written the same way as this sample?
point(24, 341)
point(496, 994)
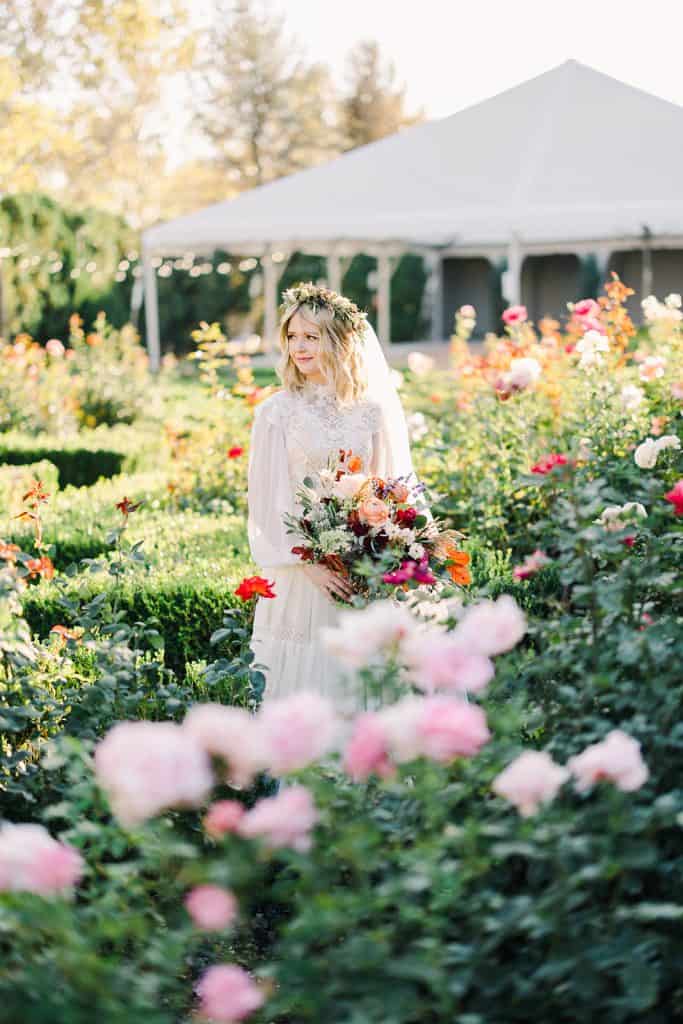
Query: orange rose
point(355, 464)
point(373, 512)
point(457, 566)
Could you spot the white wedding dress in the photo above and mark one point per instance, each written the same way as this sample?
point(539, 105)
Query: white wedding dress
point(293, 435)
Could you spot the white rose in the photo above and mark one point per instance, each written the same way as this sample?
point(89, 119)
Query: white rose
point(645, 454)
point(349, 485)
point(632, 396)
point(524, 372)
point(420, 364)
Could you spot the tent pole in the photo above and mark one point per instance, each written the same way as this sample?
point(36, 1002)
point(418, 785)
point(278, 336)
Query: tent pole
point(514, 278)
point(270, 299)
point(152, 314)
point(435, 291)
point(334, 271)
point(384, 299)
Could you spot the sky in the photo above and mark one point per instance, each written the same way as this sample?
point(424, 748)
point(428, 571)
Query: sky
point(451, 53)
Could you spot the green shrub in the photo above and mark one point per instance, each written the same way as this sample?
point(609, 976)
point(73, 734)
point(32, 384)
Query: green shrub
point(83, 459)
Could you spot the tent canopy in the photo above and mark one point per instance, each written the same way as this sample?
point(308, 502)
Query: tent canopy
point(571, 154)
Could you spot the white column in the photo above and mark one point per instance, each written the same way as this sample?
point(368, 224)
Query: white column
point(646, 283)
point(513, 280)
point(152, 314)
point(271, 277)
point(334, 271)
point(434, 296)
point(384, 299)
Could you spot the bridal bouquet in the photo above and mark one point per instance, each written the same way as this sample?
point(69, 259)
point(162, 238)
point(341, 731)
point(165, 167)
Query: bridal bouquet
point(372, 531)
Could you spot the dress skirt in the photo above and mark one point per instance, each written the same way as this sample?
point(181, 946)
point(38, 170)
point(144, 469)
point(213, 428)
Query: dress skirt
point(286, 641)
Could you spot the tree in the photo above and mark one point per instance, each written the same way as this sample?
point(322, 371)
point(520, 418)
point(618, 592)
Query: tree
point(80, 88)
point(265, 112)
point(374, 105)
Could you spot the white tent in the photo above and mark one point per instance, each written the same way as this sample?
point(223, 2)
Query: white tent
point(569, 161)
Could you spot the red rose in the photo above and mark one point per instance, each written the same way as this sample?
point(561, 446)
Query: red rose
point(405, 516)
point(235, 452)
point(254, 586)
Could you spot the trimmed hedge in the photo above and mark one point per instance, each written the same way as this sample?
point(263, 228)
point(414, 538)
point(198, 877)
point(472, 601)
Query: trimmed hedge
point(91, 455)
point(196, 563)
point(187, 612)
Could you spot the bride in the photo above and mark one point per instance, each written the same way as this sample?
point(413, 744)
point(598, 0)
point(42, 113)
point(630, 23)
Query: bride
point(337, 393)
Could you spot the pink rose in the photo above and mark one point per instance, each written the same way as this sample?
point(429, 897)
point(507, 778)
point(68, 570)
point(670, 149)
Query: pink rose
point(222, 817)
point(373, 512)
point(420, 364)
point(284, 820)
point(677, 390)
point(211, 907)
point(586, 308)
point(451, 728)
point(469, 312)
point(54, 348)
point(230, 734)
point(652, 367)
point(515, 315)
point(296, 730)
point(530, 780)
point(367, 750)
point(147, 767)
point(531, 564)
point(616, 759)
point(439, 728)
point(492, 627)
point(438, 661)
point(227, 994)
point(32, 861)
point(400, 491)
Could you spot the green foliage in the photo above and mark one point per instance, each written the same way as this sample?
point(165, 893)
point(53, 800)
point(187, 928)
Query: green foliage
point(39, 298)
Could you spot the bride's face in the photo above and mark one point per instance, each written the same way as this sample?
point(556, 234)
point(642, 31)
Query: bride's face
point(303, 341)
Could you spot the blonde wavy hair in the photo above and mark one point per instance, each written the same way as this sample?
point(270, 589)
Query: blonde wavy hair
point(340, 353)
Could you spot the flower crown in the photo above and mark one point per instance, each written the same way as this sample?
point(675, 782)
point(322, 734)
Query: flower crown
point(318, 297)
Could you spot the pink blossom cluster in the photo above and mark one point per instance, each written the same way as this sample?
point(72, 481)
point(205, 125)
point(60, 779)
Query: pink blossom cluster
point(548, 462)
point(438, 728)
point(534, 778)
point(148, 767)
point(586, 313)
point(456, 661)
point(227, 994)
point(515, 315)
point(32, 861)
point(531, 565)
point(284, 820)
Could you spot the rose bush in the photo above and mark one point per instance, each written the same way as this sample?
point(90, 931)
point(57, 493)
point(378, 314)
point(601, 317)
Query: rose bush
point(496, 837)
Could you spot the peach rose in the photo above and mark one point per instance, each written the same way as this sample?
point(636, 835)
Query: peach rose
point(373, 512)
point(400, 492)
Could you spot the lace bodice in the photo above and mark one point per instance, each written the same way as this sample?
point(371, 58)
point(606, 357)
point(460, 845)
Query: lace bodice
point(292, 437)
point(318, 426)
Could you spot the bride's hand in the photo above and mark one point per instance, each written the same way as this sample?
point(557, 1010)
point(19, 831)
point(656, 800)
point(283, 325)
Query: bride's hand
point(333, 584)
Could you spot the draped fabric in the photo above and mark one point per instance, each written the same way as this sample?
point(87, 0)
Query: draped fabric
point(293, 435)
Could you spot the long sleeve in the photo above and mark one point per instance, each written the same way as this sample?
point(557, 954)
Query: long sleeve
point(269, 491)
